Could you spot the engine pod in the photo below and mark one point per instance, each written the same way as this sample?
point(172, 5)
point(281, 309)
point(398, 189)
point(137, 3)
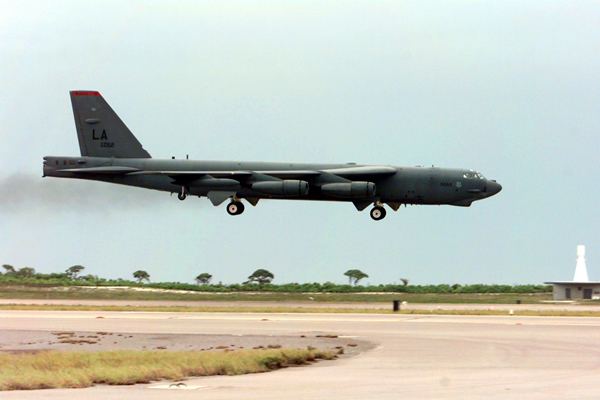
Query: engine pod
point(349, 190)
point(282, 188)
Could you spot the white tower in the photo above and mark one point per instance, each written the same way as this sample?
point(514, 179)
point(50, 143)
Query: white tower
point(580, 270)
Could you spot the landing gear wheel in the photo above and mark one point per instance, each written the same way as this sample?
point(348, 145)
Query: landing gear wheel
point(378, 213)
point(235, 208)
point(182, 195)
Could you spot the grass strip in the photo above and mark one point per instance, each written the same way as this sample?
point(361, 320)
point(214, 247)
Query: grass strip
point(100, 293)
point(54, 369)
point(293, 310)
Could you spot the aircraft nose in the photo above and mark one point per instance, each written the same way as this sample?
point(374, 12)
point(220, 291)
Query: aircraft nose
point(493, 188)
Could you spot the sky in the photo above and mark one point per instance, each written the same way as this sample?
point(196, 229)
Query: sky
point(508, 88)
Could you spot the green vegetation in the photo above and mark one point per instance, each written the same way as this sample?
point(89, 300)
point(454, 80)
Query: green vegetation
point(141, 276)
point(203, 279)
point(133, 293)
point(26, 272)
point(74, 271)
point(355, 275)
point(46, 370)
point(258, 282)
point(8, 269)
point(261, 276)
point(62, 279)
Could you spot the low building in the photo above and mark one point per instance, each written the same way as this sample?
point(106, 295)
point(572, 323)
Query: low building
point(580, 288)
point(570, 290)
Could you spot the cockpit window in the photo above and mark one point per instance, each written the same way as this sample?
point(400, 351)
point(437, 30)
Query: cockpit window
point(473, 175)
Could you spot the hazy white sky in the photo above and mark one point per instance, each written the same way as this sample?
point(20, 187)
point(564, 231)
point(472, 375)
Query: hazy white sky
point(510, 88)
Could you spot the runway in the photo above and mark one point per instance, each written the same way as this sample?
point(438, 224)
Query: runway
point(424, 357)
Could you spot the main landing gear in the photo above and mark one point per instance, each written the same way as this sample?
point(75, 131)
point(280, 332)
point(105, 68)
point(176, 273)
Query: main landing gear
point(236, 207)
point(181, 196)
point(378, 212)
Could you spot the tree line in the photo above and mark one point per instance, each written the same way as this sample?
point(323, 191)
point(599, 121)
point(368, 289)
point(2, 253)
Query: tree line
point(259, 280)
point(260, 276)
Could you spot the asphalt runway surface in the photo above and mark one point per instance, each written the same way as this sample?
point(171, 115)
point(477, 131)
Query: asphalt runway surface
point(413, 357)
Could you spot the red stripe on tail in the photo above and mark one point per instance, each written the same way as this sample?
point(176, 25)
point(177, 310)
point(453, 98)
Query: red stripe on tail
point(83, 93)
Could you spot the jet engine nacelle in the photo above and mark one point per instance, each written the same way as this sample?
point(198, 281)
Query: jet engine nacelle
point(282, 188)
point(352, 189)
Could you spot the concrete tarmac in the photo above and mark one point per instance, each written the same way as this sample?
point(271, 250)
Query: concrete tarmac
point(417, 357)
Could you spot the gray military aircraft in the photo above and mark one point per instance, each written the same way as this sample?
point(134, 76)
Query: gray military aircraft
point(111, 153)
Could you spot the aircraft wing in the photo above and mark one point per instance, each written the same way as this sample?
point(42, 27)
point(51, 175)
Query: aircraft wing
point(197, 174)
point(366, 172)
point(350, 173)
point(108, 170)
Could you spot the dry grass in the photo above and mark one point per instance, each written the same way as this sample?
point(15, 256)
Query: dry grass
point(522, 313)
point(47, 370)
point(293, 310)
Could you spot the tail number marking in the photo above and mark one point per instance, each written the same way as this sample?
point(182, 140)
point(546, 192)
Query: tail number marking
point(102, 137)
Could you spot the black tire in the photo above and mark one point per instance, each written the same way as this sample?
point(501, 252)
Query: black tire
point(241, 208)
point(378, 213)
point(235, 208)
point(181, 196)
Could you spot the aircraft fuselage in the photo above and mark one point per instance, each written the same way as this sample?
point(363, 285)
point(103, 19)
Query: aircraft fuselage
point(408, 185)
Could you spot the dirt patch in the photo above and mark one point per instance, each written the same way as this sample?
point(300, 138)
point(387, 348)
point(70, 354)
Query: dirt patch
point(26, 341)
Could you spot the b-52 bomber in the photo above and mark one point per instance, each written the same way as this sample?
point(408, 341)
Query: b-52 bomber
point(111, 153)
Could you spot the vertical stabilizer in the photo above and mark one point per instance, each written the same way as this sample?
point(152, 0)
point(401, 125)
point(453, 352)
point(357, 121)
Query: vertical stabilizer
point(100, 131)
point(580, 269)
